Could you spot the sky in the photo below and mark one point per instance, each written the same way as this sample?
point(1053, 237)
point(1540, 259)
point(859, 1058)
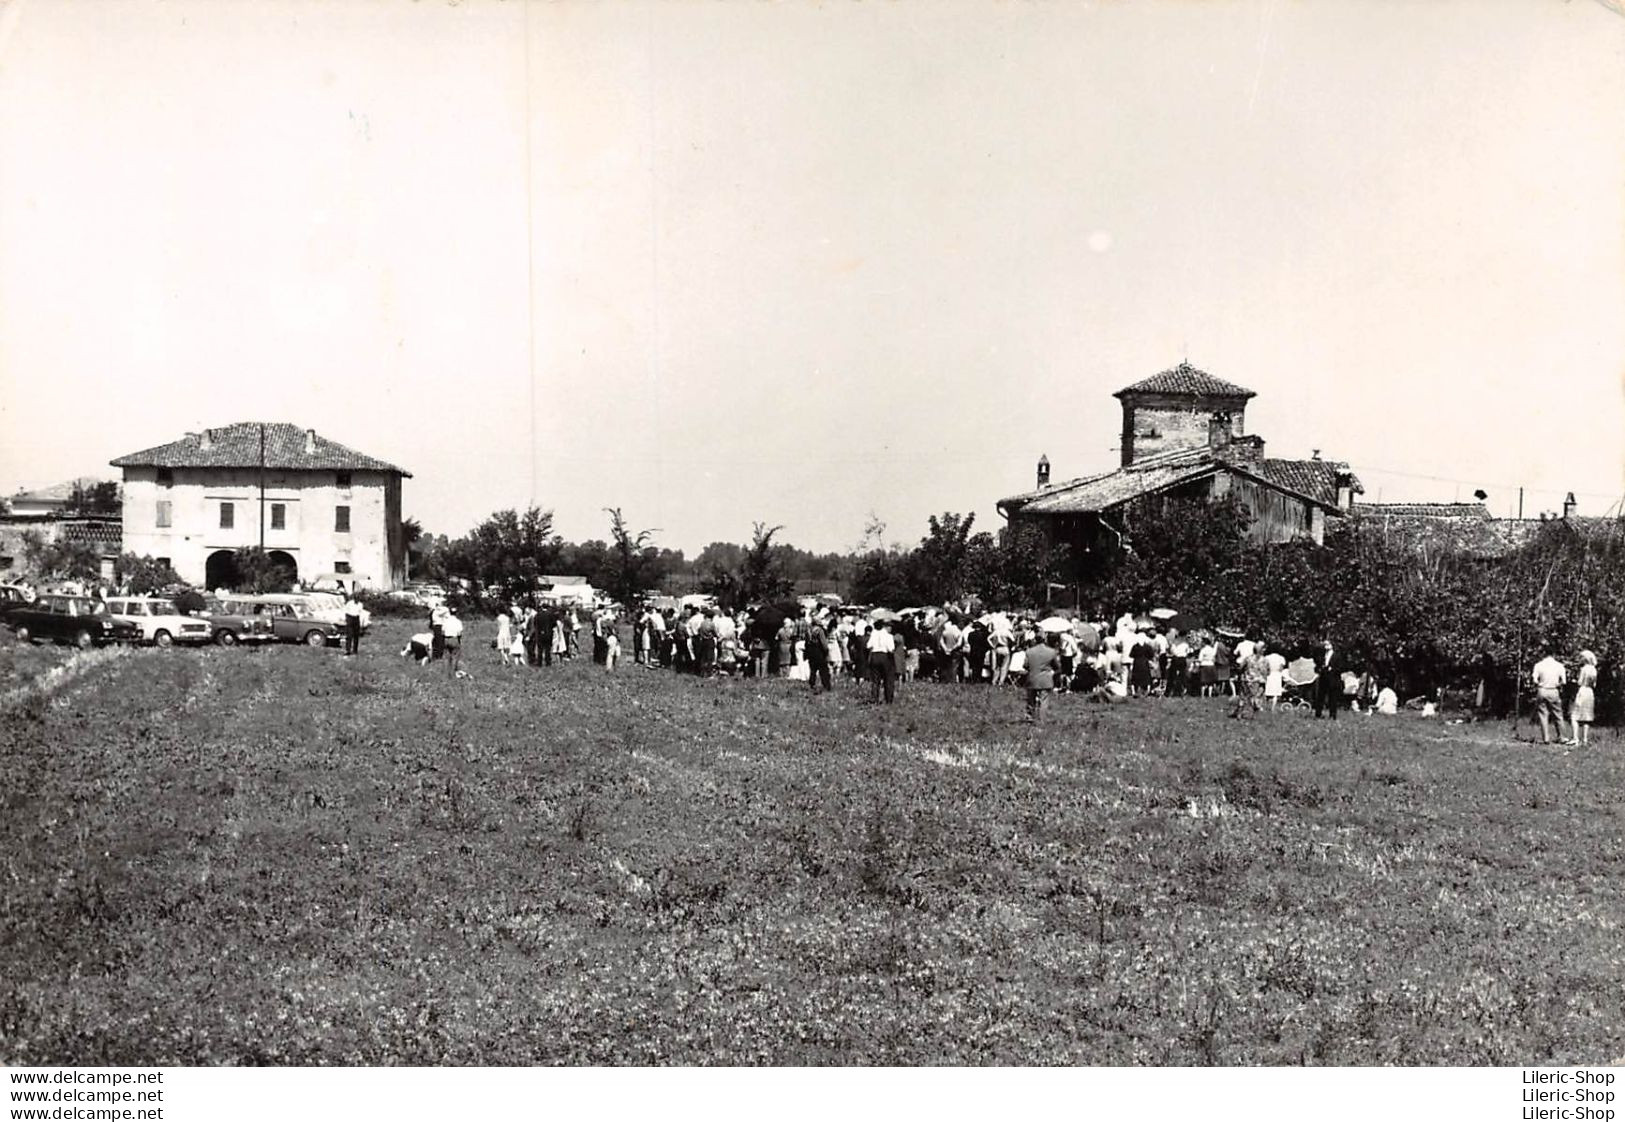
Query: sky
point(812, 264)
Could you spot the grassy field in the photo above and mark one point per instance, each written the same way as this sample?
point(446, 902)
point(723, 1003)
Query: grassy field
point(282, 856)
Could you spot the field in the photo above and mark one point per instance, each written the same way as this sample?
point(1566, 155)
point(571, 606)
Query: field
point(286, 857)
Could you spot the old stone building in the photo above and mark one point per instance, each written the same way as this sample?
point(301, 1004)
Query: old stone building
point(316, 506)
point(1184, 436)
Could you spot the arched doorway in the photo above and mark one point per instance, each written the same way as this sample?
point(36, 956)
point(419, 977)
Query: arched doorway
point(220, 571)
point(284, 572)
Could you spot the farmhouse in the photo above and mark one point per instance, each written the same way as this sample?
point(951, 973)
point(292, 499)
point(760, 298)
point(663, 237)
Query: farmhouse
point(1184, 436)
point(315, 505)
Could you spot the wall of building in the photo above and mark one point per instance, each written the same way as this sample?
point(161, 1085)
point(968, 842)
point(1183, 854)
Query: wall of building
point(372, 547)
point(1157, 423)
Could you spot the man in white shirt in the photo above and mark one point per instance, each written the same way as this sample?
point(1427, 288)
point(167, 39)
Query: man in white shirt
point(1549, 676)
point(452, 629)
point(881, 645)
point(352, 624)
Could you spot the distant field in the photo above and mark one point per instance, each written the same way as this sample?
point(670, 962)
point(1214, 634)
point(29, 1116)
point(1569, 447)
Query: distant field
point(281, 856)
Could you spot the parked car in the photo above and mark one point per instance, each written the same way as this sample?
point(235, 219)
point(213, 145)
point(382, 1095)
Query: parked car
point(161, 623)
point(79, 620)
point(288, 615)
point(236, 619)
point(325, 605)
point(14, 596)
point(424, 594)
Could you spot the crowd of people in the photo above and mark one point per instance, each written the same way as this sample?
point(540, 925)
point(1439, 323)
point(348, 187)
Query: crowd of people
point(1134, 656)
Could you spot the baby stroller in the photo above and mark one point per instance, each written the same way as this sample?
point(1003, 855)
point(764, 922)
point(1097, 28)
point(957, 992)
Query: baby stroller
point(1298, 684)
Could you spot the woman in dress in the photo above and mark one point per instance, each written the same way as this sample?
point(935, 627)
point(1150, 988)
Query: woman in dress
point(1139, 675)
point(1275, 678)
point(504, 638)
point(1584, 709)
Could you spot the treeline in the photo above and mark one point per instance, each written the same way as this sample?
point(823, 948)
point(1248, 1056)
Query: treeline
point(507, 554)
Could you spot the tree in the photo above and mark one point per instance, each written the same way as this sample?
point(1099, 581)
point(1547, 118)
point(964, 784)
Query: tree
point(258, 571)
point(759, 577)
point(144, 575)
point(635, 564)
point(507, 554)
point(942, 563)
point(99, 498)
point(59, 559)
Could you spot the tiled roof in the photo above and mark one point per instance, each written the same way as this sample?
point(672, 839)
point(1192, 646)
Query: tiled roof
point(239, 446)
point(1462, 528)
point(1426, 510)
point(1315, 480)
point(1186, 379)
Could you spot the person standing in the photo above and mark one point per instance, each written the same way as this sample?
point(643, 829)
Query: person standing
point(949, 640)
point(1252, 672)
point(1584, 709)
point(504, 638)
point(352, 624)
point(818, 655)
point(1041, 660)
point(881, 646)
point(1549, 676)
point(437, 621)
point(1274, 678)
point(451, 630)
point(1329, 680)
point(999, 638)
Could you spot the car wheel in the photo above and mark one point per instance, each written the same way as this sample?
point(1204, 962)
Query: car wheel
point(163, 639)
point(23, 636)
point(226, 638)
point(83, 640)
point(315, 639)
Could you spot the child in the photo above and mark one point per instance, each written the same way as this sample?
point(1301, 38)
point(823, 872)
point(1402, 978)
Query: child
point(612, 649)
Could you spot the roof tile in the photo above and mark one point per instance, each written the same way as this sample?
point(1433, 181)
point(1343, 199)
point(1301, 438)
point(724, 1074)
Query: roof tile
point(238, 445)
point(1186, 379)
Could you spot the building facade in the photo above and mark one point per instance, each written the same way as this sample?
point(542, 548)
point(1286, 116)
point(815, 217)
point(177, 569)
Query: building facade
point(1184, 437)
point(315, 505)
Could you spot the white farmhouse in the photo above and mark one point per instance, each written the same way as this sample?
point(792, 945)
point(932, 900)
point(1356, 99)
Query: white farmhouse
point(316, 506)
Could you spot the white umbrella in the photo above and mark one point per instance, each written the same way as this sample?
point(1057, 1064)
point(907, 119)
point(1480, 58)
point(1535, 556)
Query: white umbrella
point(1055, 623)
point(1162, 613)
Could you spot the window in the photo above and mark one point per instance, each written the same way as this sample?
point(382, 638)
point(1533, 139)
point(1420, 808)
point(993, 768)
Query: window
point(228, 515)
point(341, 519)
point(164, 514)
point(343, 479)
point(164, 561)
point(341, 566)
point(279, 516)
point(166, 477)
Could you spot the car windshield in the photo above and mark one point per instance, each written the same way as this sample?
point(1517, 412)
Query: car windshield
point(165, 608)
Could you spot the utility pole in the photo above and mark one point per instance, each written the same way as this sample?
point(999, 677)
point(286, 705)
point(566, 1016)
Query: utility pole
point(258, 577)
point(1520, 502)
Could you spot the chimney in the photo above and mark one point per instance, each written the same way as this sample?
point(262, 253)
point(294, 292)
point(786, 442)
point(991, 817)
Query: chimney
point(310, 442)
point(1218, 430)
point(1345, 490)
point(206, 440)
point(1568, 505)
point(1043, 472)
point(1248, 448)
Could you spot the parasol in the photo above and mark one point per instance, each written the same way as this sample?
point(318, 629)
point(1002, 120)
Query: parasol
point(1054, 624)
point(885, 614)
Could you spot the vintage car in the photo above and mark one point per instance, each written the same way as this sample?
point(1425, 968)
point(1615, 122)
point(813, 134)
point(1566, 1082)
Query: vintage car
point(161, 623)
point(239, 619)
point(79, 620)
point(14, 596)
point(291, 620)
point(326, 605)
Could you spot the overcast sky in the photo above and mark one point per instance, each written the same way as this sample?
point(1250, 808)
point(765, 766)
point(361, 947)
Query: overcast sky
point(727, 261)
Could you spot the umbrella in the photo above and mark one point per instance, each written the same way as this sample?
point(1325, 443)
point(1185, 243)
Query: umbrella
point(1055, 623)
point(1176, 621)
point(1230, 634)
point(1088, 637)
point(1162, 613)
point(885, 614)
point(1301, 671)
